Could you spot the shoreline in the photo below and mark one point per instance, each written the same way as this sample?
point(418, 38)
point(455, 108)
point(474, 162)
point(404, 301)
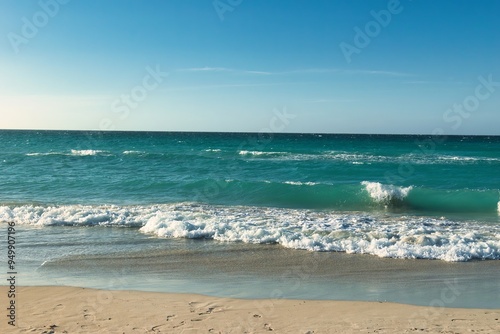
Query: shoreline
point(62, 309)
point(260, 271)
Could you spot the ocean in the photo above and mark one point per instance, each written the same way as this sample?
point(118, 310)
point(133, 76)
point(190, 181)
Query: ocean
point(189, 207)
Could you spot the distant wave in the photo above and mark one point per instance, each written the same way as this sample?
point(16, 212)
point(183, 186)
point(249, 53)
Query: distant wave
point(134, 152)
point(383, 236)
point(353, 158)
point(364, 158)
point(347, 157)
point(298, 183)
point(458, 158)
point(80, 153)
point(262, 153)
point(43, 154)
point(451, 159)
point(88, 152)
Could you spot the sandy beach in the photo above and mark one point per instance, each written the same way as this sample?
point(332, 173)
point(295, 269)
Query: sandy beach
point(233, 166)
point(82, 310)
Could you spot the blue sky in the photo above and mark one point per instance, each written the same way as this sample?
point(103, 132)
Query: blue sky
point(233, 65)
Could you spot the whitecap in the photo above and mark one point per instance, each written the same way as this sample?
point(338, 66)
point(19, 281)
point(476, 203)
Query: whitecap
point(298, 183)
point(383, 193)
point(257, 153)
point(35, 154)
point(87, 152)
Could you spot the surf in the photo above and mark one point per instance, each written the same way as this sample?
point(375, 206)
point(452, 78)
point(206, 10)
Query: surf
point(408, 237)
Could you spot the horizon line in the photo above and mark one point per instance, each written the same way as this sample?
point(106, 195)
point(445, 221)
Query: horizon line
point(259, 132)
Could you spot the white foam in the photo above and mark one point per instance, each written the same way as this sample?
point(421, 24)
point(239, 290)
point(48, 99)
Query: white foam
point(73, 153)
point(257, 153)
point(86, 152)
point(134, 152)
point(344, 156)
point(213, 150)
point(72, 215)
point(41, 154)
point(397, 237)
point(360, 158)
point(244, 152)
point(383, 193)
point(298, 183)
point(466, 159)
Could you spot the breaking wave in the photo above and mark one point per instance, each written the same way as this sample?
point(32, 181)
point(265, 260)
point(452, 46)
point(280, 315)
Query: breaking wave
point(395, 237)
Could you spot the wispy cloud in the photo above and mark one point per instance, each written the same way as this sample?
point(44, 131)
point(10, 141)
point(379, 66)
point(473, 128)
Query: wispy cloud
point(298, 71)
point(378, 72)
point(311, 71)
point(202, 87)
point(222, 69)
point(344, 71)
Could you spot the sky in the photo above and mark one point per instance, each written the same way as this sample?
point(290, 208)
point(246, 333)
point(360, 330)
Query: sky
point(316, 66)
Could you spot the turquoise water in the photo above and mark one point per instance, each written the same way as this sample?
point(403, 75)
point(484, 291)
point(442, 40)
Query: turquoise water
point(389, 196)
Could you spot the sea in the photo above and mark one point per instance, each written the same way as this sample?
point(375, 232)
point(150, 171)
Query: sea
point(404, 218)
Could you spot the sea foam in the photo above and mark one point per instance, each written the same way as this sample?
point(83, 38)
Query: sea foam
point(396, 237)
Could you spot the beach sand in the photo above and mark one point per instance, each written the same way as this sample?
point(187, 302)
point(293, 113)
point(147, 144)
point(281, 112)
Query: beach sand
point(82, 310)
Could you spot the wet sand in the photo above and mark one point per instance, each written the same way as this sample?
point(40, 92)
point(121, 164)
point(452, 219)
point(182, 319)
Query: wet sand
point(270, 271)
